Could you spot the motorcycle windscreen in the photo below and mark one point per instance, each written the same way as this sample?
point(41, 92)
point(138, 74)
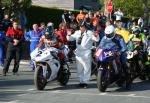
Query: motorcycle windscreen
point(102, 54)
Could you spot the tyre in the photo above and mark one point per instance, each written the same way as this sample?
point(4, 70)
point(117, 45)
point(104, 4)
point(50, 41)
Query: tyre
point(142, 74)
point(128, 81)
point(132, 70)
point(142, 77)
point(64, 75)
point(39, 80)
point(101, 81)
point(94, 68)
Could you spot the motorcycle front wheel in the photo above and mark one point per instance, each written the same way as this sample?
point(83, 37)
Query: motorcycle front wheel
point(101, 81)
point(39, 80)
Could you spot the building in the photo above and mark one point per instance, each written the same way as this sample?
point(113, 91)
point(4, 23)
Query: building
point(68, 4)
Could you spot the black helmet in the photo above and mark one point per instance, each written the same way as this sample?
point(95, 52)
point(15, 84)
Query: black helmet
point(136, 30)
point(49, 31)
point(48, 35)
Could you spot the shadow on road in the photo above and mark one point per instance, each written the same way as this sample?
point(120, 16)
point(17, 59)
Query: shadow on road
point(10, 83)
point(8, 96)
point(71, 87)
point(138, 86)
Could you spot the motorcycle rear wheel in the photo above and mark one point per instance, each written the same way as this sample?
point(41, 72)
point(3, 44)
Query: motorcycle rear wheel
point(64, 75)
point(132, 70)
point(142, 74)
point(39, 80)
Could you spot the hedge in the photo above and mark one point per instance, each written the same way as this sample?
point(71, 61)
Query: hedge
point(37, 14)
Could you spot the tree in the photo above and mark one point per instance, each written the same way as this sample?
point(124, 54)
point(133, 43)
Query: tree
point(146, 12)
point(137, 8)
point(129, 7)
point(15, 8)
point(16, 5)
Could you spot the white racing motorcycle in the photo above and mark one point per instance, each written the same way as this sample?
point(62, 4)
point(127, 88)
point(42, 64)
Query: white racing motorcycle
point(48, 67)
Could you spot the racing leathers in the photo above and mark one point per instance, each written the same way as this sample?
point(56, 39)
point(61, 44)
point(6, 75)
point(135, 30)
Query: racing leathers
point(138, 41)
point(117, 43)
point(53, 41)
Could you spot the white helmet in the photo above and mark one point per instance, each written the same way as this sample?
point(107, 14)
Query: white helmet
point(109, 31)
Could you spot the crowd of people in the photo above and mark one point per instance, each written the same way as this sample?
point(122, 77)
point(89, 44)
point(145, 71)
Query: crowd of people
point(80, 33)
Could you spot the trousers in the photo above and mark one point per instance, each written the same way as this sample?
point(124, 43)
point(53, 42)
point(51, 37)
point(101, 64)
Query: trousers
point(84, 66)
point(12, 52)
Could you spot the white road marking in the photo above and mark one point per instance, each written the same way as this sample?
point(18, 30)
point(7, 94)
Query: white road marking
point(12, 90)
point(71, 93)
point(131, 94)
point(24, 63)
point(16, 101)
point(22, 95)
point(104, 94)
point(30, 89)
point(17, 90)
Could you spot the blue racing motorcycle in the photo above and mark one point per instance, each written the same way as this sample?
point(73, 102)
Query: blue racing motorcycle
point(110, 69)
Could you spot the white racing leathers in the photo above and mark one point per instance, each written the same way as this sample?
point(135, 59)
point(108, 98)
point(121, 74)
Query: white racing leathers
point(83, 53)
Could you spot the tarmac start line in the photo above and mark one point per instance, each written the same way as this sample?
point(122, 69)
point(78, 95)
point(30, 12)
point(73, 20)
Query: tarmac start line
point(103, 94)
point(29, 91)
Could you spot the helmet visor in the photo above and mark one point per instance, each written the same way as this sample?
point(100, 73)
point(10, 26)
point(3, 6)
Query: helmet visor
point(109, 35)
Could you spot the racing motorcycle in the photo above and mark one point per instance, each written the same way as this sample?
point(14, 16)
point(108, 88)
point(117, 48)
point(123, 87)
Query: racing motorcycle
point(147, 64)
point(135, 64)
point(109, 70)
point(48, 67)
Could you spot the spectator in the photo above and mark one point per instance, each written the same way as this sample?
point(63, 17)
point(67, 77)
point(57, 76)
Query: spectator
point(87, 20)
point(100, 31)
point(120, 31)
point(95, 21)
point(140, 22)
point(80, 17)
point(119, 14)
point(62, 32)
point(130, 23)
point(103, 19)
point(33, 36)
point(2, 44)
point(98, 13)
point(90, 14)
point(65, 18)
point(108, 22)
point(15, 39)
point(23, 21)
point(1, 13)
point(42, 26)
point(135, 25)
point(71, 17)
point(6, 23)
